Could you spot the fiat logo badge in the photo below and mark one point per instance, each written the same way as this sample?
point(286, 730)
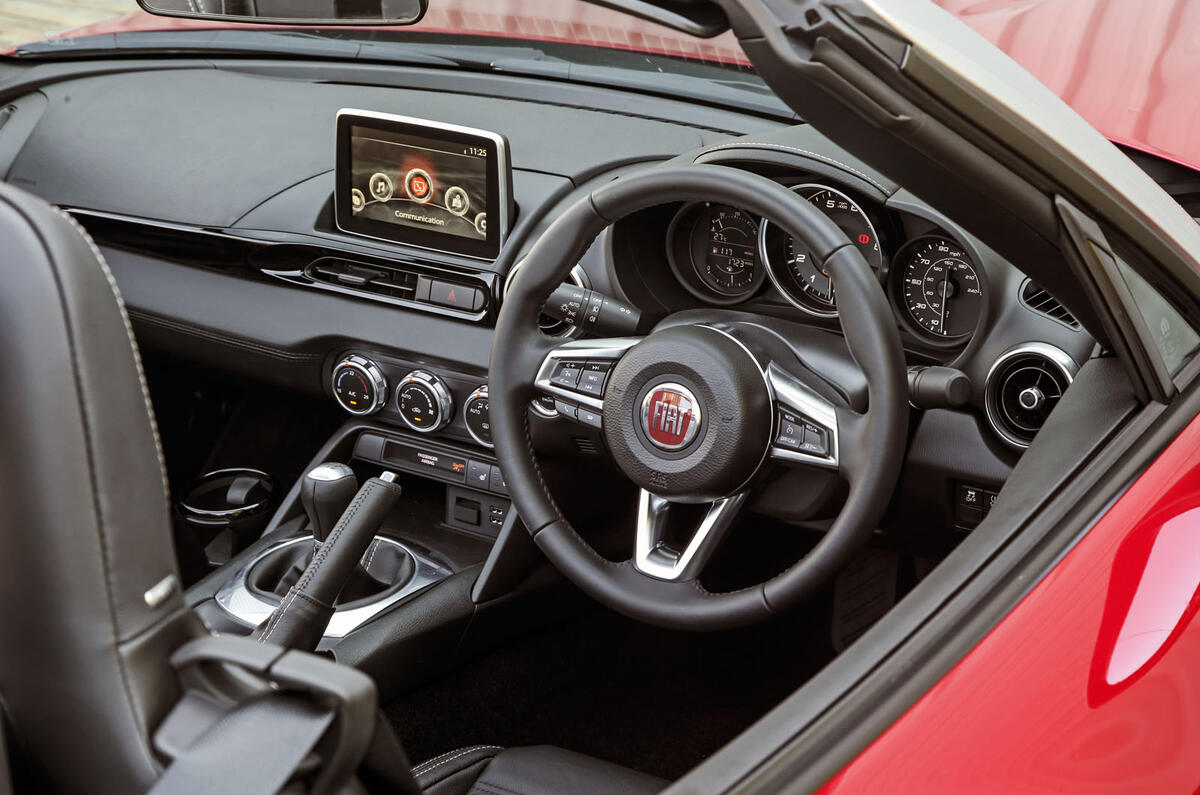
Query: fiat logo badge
point(670, 416)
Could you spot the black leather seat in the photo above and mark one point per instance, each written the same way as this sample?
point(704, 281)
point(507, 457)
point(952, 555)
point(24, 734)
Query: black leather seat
point(90, 600)
point(539, 770)
point(90, 604)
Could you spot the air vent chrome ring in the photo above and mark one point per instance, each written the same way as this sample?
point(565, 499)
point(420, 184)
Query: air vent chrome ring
point(1023, 386)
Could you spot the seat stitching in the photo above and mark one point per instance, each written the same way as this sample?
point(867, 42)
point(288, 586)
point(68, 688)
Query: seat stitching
point(493, 788)
point(137, 357)
point(433, 764)
point(89, 451)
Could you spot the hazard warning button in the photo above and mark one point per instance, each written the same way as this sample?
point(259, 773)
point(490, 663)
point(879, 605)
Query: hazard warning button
point(456, 296)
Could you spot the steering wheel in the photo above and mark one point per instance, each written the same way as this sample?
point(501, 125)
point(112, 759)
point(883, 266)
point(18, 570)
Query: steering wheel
point(694, 413)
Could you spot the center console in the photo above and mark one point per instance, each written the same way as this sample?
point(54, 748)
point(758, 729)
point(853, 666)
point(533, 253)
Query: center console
point(452, 546)
point(451, 549)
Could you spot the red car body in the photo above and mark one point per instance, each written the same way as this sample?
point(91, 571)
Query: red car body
point(1092, 682)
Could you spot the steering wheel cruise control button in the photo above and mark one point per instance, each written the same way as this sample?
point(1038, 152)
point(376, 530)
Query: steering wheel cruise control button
point(798, 433)
point(791, 431)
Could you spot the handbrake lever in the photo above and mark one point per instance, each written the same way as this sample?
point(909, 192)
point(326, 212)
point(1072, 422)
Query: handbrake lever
point(303, 614)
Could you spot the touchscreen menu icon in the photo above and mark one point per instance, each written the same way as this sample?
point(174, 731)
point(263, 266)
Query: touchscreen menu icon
point(418, 185)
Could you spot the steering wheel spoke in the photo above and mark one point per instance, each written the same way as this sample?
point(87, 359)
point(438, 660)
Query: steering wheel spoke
point(575, 374)
point(654, 557)
point(808, 430)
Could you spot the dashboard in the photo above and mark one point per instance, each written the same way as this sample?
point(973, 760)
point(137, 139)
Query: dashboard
point(234, 223)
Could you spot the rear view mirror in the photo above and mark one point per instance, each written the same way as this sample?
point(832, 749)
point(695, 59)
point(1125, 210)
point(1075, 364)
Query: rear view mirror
point(294, 12)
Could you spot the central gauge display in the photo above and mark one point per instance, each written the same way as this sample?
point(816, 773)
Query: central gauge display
point(714, 252)
point(802, 280)
point(728, 239)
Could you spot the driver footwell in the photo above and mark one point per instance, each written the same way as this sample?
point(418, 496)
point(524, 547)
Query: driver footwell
point(657, 700)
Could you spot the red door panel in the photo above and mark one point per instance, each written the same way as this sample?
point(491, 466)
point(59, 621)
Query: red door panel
point(1091, 683)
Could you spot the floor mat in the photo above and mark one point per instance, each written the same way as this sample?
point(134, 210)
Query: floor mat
point(651, 699)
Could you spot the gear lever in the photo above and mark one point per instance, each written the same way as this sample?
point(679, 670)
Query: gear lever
point(326, 492)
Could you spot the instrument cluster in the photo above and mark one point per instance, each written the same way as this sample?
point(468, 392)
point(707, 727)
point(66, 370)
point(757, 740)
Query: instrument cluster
point(724, 255)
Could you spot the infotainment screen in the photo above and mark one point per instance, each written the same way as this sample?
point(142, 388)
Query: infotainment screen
point(424, 183)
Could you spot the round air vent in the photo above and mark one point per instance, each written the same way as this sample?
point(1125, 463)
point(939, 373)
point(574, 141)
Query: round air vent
point(1023, 387)
point(548, 325)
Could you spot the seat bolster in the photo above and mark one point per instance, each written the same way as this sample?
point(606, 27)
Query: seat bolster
point(536, 770)
point(84, 515)
point(453, 773)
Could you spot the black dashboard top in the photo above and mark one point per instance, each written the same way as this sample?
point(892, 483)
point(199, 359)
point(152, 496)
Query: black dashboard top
point(244, 151)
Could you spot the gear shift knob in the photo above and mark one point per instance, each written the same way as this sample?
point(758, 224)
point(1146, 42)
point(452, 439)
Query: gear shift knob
point(326, 491)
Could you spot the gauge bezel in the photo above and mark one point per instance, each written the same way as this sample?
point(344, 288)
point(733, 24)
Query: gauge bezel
point(900, 303)
point(680, 247)
point(768, 261)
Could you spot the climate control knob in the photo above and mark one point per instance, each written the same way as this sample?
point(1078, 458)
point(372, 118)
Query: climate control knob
point(477, 417)
point(424, 402)
point(358, 385)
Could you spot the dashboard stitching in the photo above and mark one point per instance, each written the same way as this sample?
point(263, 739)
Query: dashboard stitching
point(815, 156)
point(199, 331)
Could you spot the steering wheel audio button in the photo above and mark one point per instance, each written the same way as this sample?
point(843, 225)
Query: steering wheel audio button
point(592, 378)
point(566, 374)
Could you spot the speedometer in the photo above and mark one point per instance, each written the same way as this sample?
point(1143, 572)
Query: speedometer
point(793, 270)
point(940, 287)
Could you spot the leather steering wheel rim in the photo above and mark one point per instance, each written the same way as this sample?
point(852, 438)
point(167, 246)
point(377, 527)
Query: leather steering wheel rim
point(875, 447)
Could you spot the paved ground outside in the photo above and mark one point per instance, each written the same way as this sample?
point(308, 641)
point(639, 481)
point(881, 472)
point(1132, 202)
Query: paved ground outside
point(31, 20)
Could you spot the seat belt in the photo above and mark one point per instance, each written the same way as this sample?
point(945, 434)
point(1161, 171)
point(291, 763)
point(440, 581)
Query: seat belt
point(253, 750)
point(254, 716)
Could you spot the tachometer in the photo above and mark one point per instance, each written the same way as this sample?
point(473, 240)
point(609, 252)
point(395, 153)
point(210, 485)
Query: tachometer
point(792, 269)
point(940, 287)
point(714, 252)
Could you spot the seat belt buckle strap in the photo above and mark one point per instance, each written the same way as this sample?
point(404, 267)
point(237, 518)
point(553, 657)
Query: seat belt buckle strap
point(221, 672)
